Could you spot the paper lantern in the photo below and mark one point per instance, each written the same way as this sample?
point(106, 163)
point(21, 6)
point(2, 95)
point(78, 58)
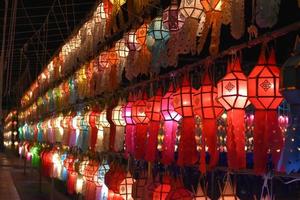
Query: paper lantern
point(263, 93)
point(114, 177)
point(209, 109)
point(88, 174)
point(159, 191)
point(173, 20)
point(35, 152)
point(232, 94)
point(50, 126)
point(138, 187)
point(157, 38)
point(59, 129)
point(141, 120)
point(106, 129)
point(126, 187)
point(119, 121)
point(290, 89)
point(83, 125)
point(40, 132)
point(183, 104)
point(75, 130)
point(67, 129)
point(93, 117)
point(200, 193)
point(130, 126)
point(69, 164)
point(153, 107)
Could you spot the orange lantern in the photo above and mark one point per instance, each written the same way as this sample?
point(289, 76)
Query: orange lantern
point(232, 94)
point(141, 120)
point(183, 104)
point(263, 92)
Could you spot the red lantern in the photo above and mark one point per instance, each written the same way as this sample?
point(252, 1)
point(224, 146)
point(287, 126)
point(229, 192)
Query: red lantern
point(209, 109)
point(159, 191)
point(114, 177)
point(141, 120)
point(130, 126)
point(232, 94)
point(93, 116)
point(171, 118)
point(153, 113)
point(263, 91)
point(88, 174)
point(183, 104)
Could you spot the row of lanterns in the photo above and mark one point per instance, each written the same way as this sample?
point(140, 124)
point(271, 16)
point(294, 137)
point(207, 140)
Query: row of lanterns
point(102, 179)
point(10, 134)
point(141, 50)
point(141, 118)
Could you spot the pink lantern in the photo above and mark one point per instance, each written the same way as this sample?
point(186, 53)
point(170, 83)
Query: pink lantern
point(130, 126)
point(171, 118)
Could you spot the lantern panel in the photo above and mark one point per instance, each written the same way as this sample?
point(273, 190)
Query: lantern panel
point(153, 107)
point(139, 112)
point(173, 20)
point(121, 48)
point(117, 116)
point(131, 41)
point(191, 8)
point(103, 119)
point(183, 100)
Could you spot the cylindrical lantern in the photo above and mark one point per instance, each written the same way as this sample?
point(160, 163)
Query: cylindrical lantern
point(209, 109)
point(183, 104)
point(93, 116)
point(130, 126)
point(171, 118)
point(119, 121)
point(141, 120)
point(106, 129)
point(153, 107)
point(232, 94)
point(263, 93)
point(290, 89)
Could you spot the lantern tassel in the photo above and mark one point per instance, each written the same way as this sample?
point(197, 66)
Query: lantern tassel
point(119, 138)
point(90, 193)
point(236, 155)
point(129, 139)
point(93, 137)
point(187, 150)
point(71, 181)
point(209, 130)
point(170, 128)
point(140, 141)
point(151, 147)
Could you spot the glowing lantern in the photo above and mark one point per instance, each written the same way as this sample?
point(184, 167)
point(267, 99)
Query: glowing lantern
point(130, 127)
point(56, 165)
point(263, 93)
point(153, 107)
point(290, 89)
point(83, 137)
point(75, 131)
point(40, 132)
point(69, 164)
point(50, 126)
point(59, 129)
point(173, 20)
point(157, 38)
point(119, 121)
point(138, 187)
point(93, 116)
point(159, 191)
point(126, 187)
point(79, 184)
point(183, 104)
point(67, 129)
point(133, 46)
point(200, 194)
point(232, 94)
point(106, 129)
point(122, 51)
point(114, 177)
point(141, 120)
point(35, 152)
point(89, 172)
point(209, 109)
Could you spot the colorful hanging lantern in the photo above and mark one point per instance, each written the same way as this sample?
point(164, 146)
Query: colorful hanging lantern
point(126, 187)
point(88, 174)
point(141, 120)
point(93, 117)
point(290, 89)
point(159, 191)
point(232, 94)
point(67, 129)
point(183, 105)
point(114, 177)
point(115, 76)
point(119, 121)
point(157, 37)
point(153, 107)
point(171, 118)
point(75, 131)
point(69, 164)
point(106, 129)
point(129, 127)
point(173, 20)
point(59, 129)
point(263, 93)
point(209, 109)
